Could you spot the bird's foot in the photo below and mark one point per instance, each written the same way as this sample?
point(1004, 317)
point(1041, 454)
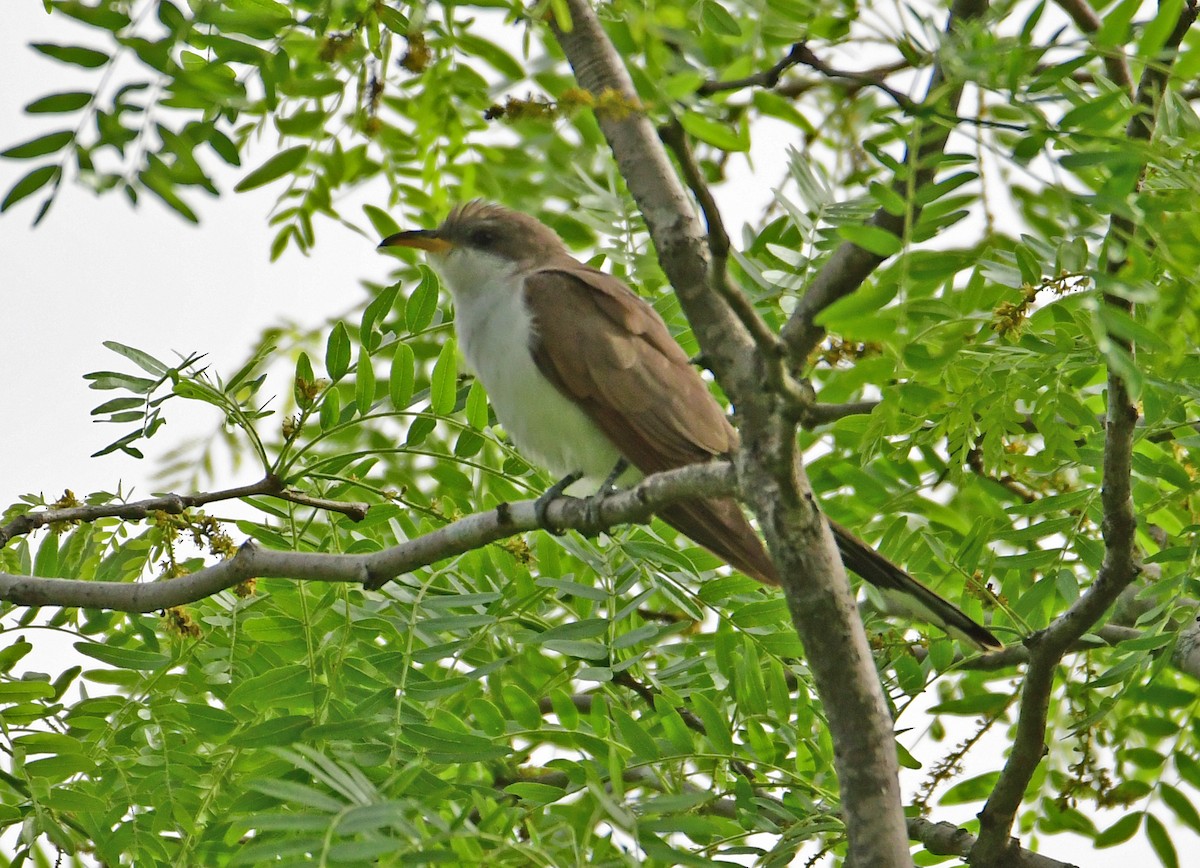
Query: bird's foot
point(551, 494)
point(591, 506)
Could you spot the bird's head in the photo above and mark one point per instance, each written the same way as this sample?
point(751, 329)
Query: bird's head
point(483, 228)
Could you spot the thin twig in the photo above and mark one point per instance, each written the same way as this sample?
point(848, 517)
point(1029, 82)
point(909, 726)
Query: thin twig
point(822, 414)
point(859, 79)
point(174, 504)
point(975, 462)
point(796, 87)
point(767, 78)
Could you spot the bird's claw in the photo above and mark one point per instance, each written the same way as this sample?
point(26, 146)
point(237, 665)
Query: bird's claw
point(551, 494)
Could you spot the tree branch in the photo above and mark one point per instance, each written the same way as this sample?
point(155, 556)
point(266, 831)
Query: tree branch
point(861, 79)
point(814, 581)
point(767, 78)
point(946, 839)
point(850, 265)
point(856, 81)
point(674, 137)
point(270, 486)
point(822, 414)
point(375, 569)
point(1089, 22)
point(1119, 567)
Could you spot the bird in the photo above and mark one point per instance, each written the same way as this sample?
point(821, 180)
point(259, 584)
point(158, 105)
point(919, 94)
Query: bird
point(587, 380)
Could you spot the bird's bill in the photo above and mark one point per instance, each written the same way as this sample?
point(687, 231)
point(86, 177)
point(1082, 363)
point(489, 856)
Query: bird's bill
point(422, 239)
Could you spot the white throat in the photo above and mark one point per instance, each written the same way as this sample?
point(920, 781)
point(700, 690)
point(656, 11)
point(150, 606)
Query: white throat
point(495, 331)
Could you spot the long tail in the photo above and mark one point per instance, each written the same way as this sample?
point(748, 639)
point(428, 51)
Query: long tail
point(907, 591)
point(720, 526)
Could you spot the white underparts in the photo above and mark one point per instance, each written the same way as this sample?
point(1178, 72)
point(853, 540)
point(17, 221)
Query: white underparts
point(494, 331)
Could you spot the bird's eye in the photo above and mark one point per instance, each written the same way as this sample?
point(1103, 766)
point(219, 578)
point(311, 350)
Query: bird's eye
point(483, 237)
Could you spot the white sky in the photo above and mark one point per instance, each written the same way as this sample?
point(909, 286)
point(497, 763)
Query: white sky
point(97, 269)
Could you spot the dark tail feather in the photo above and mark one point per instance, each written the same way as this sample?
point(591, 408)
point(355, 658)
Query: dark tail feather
point(720, 526)
point(889, 578)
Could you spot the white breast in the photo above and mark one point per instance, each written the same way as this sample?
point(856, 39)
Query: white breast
point(494, 329)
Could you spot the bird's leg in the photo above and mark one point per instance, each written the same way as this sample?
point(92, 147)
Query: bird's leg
point(610, 482)
point(552, 493)
point(592, 505)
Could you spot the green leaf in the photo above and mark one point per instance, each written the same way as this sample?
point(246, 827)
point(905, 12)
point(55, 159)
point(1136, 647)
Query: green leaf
point(275, 686)
point(74, 54)
point(123, 658)
point(10, 656)
point(634, 736)
point(444, 383)
point(1160, 840)
point(293, 792)
point(304, 383)
point(59, 103)
point(400, 381)
point(974, 704)
point(40, 146)
point(522, 707)
point(143, 360)
point(443, 745)
point(715, 18)
point(331, 409)
point(276, 732)
point(364, 383)
point(422, 304)
point(873, 239)
point(1181, 806)
point(393, 20)
point(1120, 831)
point(381, 221)
point(477, 406)
point(716, 726)
point(716, 133)
point(488, 717)
point(24, 691)
point(29, 185)
point(276, 167)
point(495, 56)
point(535, 793)
point(337, 352)
point(973, 789)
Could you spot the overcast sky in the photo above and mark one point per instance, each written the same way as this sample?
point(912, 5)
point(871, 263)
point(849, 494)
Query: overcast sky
point(99, 269)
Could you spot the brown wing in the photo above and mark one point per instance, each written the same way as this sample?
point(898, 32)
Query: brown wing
point(610, 352)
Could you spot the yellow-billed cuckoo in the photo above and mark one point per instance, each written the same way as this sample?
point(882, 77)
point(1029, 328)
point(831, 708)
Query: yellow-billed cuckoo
point(583, 373)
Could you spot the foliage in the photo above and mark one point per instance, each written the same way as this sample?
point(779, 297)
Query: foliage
point(561, 700)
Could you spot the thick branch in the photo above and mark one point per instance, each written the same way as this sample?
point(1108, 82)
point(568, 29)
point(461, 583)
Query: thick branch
point(1119, 567)
point(174, 504)
point(813, 579)
point(373, 570)
point(850, 265)
point(946, 839)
